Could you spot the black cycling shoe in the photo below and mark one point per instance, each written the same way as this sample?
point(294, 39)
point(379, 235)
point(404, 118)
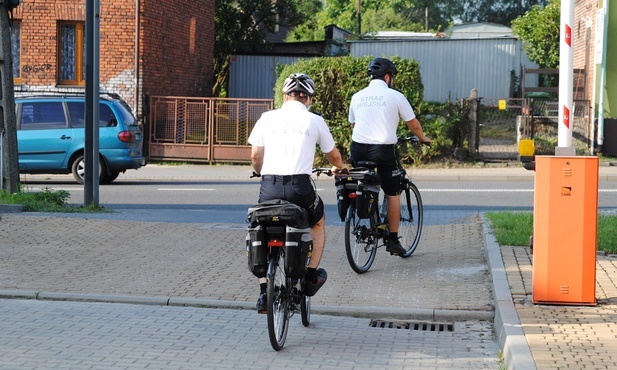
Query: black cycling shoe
point(262, 303)
point(310, 289)
point(395, 247)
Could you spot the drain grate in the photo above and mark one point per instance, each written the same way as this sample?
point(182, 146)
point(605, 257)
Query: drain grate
point(418, 326)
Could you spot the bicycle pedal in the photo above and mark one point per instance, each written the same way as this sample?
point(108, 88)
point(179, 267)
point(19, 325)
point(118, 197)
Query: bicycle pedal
point(262, 312)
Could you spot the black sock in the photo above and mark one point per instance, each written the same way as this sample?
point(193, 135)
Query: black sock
point(263, 287)
point(393, 236)
point(311, 274)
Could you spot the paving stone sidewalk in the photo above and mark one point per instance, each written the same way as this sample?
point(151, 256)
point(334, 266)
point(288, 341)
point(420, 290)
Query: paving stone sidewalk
point(447, 275)
point(566, 337)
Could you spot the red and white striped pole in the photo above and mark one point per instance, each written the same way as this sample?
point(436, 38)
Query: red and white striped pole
point(566, 80)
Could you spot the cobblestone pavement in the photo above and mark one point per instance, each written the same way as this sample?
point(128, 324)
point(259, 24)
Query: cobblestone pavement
point(81, 335)
point(566, 337)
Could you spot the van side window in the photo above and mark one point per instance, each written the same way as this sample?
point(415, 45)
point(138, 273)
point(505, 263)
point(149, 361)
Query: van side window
point(42, 116)
point(107, 118)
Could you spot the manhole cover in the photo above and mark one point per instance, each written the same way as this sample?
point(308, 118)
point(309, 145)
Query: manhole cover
point(419, 326)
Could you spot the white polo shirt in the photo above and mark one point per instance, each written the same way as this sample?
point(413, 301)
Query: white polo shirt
point(376, 111)
point(289, 136)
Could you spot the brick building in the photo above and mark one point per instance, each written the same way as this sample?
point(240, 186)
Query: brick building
point(165, 48)
point(583, 39)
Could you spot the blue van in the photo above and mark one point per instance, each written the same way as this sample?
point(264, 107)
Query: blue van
point(51, 136)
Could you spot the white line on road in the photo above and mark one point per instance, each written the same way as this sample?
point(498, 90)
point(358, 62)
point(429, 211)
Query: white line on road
point(185, 189)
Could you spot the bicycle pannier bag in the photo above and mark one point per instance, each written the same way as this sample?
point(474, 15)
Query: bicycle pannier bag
point(344, 186)
point(278, 210)
point(256, 251)
point(298, 251)
point(367, 191)
point(366, 200)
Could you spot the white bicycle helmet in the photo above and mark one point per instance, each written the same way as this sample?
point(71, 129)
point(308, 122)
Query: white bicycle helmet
point(300, 83)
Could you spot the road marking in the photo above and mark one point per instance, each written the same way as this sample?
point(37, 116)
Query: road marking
point(185, 189)
point(476, 190)
point(494, 190)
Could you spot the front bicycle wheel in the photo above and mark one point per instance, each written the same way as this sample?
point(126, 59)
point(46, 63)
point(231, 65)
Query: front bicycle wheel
point(278, 304)
point(360, 241)
point(412, 213)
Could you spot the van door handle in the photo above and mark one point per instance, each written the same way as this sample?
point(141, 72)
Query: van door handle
point(64, 137)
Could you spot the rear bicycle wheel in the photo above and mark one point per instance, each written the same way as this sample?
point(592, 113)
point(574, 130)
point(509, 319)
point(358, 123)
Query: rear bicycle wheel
point(305, 310)
point(360, 241)
point(278, 304)
point(412, 217)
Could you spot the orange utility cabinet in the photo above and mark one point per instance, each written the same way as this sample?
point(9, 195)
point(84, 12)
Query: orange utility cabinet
point(565, 225)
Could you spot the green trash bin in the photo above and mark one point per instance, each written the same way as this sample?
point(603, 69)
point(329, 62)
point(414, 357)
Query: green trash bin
point(539, 103)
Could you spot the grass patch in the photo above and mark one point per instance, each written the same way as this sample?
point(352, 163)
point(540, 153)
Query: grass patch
point(515, 228)
point(512, 228)
point(45, 201)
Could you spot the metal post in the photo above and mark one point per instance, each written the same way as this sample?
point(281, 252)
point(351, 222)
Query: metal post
point(474, 123)
point(91, 155)
point(602, 88)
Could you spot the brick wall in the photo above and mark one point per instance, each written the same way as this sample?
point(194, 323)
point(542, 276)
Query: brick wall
point(583, 42)
point(176, 46)
point(174, 61)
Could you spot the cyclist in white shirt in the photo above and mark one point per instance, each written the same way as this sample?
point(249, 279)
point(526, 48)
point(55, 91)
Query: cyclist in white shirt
point(283, 149)
point(375, 113)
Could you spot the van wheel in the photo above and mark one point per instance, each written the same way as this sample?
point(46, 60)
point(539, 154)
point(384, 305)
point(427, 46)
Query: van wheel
point(79, 168)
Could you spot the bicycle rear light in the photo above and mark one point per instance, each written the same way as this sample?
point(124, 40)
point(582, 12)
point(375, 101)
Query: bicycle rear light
point(275, 243)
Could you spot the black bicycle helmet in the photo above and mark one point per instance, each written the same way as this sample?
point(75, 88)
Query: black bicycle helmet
point(380, 67)
point(299, 83)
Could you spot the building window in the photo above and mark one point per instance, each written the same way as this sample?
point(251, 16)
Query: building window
point(71, 54)
point(16, 50)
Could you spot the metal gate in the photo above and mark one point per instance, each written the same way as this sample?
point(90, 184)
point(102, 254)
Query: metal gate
point(498, 120)
point(503, 122)
point(202, 129)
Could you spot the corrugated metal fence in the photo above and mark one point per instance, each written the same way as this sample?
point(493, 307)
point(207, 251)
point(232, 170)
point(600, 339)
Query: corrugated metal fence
point(451, 68)
point(254, 76)
point(202, 129)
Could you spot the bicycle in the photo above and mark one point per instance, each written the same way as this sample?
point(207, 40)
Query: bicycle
point(279, 247)
point(362, 234)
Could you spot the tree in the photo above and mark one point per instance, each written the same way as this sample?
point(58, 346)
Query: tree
point(242, 26)
point(539, 31)
point(379, 15)
point(496, 11)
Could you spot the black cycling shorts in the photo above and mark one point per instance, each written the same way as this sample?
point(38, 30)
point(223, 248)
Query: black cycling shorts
point(297, 189)
point(384, 156)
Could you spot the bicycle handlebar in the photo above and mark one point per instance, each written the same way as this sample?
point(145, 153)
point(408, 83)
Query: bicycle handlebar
point(317, 170)
point(320, 170)
point(413, 139)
